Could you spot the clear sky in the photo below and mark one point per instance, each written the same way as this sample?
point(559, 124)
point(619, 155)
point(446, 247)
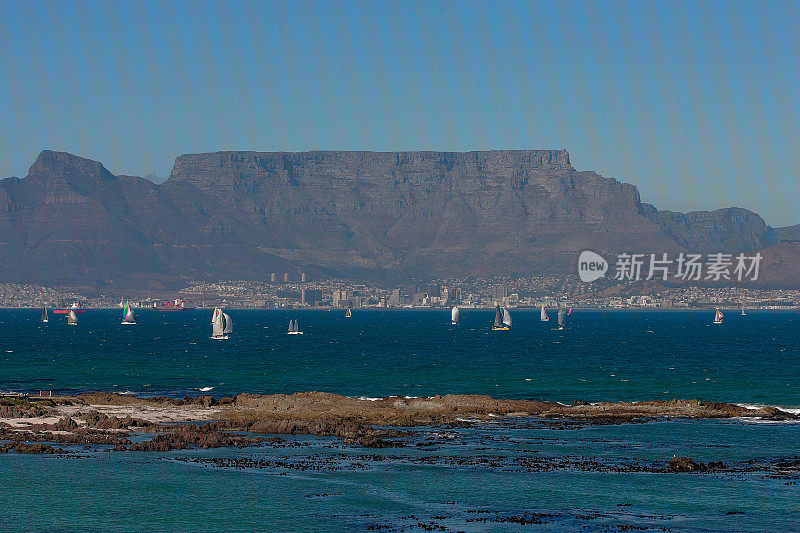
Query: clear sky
point(695, 103)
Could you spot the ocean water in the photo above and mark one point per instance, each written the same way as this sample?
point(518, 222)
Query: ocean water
point(602, 356)
point(494, 476)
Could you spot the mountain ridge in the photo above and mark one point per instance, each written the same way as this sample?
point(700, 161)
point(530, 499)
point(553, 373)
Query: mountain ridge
point(356, 214)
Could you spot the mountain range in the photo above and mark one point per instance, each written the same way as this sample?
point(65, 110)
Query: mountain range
point(361, 215)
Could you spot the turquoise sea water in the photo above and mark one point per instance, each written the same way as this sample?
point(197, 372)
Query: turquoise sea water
point(470, 479)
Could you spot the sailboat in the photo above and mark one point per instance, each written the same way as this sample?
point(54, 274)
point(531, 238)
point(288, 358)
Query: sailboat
point(127, 316)
point(72, 318)
point(562, 318)
point(454, 315)
point(228, 329)
point(45, 320)
point(544, 317)
point(221, 325)
point(718, 316)
point(348, 313)
point(294, 329)
point(743, 313)
point(502, 320)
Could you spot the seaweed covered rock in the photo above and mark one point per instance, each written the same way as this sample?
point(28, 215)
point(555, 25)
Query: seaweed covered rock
point(685, 464)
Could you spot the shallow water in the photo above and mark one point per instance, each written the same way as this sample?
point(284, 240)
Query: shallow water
point(470, 479)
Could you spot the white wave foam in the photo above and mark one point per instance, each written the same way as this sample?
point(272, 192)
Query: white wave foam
point(754, 406)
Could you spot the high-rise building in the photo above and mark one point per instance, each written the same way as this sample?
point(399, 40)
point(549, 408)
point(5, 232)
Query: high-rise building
point(303, 277)
point(500, 292)
point(273, 278)
point(396, 298)
point(310, 296)
point(286, 277)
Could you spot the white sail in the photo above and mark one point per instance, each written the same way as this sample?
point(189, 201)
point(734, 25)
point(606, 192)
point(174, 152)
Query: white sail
point(506, 317)
point(228, 324)
point(718, 316)
point(218, 324)
point(294, 328)
point(544, 317)
point(128, 317)
point(562, 317)
point(44, 315)
point(454, 315)
point(348, 314)
point(498, 318)
point(72, 318)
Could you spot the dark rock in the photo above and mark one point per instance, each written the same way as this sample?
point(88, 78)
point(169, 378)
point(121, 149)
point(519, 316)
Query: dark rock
point(65, 424)
point(684, 464)
point(181, 437)
point(12, 407)
point(36, 448)
point(579, 402)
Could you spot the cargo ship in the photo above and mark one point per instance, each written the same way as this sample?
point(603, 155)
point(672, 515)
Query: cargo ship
point(177, 304)
point(77, 307)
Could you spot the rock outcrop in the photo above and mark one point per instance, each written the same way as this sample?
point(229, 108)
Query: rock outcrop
point(728, 230)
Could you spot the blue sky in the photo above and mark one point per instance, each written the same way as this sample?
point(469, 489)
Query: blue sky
point(696, 103)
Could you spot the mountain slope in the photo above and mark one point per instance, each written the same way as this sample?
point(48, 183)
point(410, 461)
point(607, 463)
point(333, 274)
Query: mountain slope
point(243, 215)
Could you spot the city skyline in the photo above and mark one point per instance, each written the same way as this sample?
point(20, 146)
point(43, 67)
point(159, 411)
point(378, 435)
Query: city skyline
point(695, 104)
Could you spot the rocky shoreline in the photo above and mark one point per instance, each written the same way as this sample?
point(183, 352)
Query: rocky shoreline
point(250, 419)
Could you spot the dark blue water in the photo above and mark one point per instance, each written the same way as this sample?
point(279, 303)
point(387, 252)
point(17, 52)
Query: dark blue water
point(465, 479)
point(602, 356)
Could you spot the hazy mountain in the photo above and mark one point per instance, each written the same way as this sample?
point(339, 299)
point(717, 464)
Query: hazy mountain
point(243, 215)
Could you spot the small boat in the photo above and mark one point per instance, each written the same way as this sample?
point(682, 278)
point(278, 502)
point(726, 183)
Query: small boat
point(454, 315)
point(127, 316)
point(294, 329)
point(72, 318)
point(544, 317)
point(502, 319)
point(45, 319)
point(743, 313)
point(348, 313)
point(718, 316)
point(221, 325)
point(562, 318)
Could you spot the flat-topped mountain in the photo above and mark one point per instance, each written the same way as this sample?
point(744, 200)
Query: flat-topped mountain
point(243, 215)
